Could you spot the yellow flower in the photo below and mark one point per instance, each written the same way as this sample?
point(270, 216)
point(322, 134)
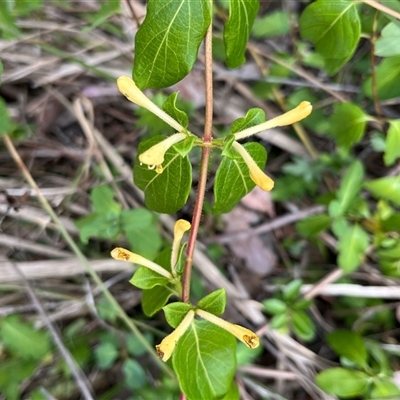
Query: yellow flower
point(129, 89)
point(154, 156)
point(256, 174)
point(167, 345)
point(249, 338)
point(302, 111)
point(180, 227)
point(125, 255)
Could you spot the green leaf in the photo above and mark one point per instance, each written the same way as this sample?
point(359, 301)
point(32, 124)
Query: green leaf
point(392, 151)
point(350, 345)
point(145, 278)
point(135, 346)
point(348, 124)
point(171, 109)
point(237, 30)
point(1, 70)
point(205, 361)
point(292, 290)
point(154, 299)
point(232, 180)
point(233, 392)
point(102, 226)
point(391, 252)
point(385, 188)
point(334, 28)
point(135, 376)
point(353, 242)
point(106, 354)
point(280, 322)
point(107, 10)
point(21, 339)
point(303, 326)
point(166, 192)
point(387, 80)
point(384, 389)
point(6, 125)
point(186, 146)
point(274, 306)
point(175, 312)
point(349, 188)
point(389, 43)
point(273, 24)
point(343, 382)
point(168, 40)
point(253, 117)
point(311, 226)
point(214, 302)
point(103, 200)
point(8, 28)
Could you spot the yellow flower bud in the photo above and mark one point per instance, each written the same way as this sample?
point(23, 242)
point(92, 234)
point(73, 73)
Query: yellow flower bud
point(129, 89)
point(167, 345)
point(302, 111)
point(154, 156)
point(256, 174)
point(181, 226)
point(125, 255)
point(248, 337)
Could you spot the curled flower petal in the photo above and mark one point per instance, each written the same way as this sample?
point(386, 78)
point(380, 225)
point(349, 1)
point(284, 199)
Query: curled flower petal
point(256, 174)
point(180, 227)
point(129, 89)
point(302, 111)
point(122, 254)
point(155, 154)
point(167, 345)
point(248, 337)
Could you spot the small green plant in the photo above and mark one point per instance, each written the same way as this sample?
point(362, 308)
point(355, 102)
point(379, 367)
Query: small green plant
point(365, 369)
point(289, 312)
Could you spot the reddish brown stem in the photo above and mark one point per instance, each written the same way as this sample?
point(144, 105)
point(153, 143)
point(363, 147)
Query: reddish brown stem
point(207, 138)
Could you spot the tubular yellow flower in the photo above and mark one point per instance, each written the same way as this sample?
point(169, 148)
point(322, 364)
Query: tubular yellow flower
point(167, 345)
point(154, 156)
point(125, 255)
point(248, 337)
point(180, 227)
point(129, 89)
point(256, 174)
point(302, 111)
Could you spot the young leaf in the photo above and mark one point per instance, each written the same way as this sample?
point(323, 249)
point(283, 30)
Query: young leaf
point(170, 108)
point(165, 58)
point(280, 322)
point(214, 302)
point(205, 361)
point(154, 299)
point(105, 353)
point(392, 151)
point(348, 124)
point(175, 312)
point(274, 306)
point(166, 192)
point(352, 245)
point(385, 188)
point(387, 80)
point(145, 278)
point(313, 225)
point(253, 117)
point(103, 200)
point(389, 44)
point(334, 28)
point(292, 290)
point(275, 23)
point(135, 376)
point(348, 191)
point(385, 389)
point(232, 180)
point(303, 326)
point(237, 30)
point(350, 345)
point(343, 382)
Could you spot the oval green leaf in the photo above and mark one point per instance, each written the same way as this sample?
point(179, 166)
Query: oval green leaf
point(167, 42)
point(385, 188)
point(214, 302)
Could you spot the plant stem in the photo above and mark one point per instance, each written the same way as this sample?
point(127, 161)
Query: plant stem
point(205, 156)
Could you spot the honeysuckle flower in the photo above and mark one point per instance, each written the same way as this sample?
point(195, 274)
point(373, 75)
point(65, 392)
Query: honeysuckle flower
point(180, 227)
point(167, 345)
point(129, 89)
point(154, 156)
point(256, 174)
point(125, 255)
point(302, 111)
point(248, 337)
